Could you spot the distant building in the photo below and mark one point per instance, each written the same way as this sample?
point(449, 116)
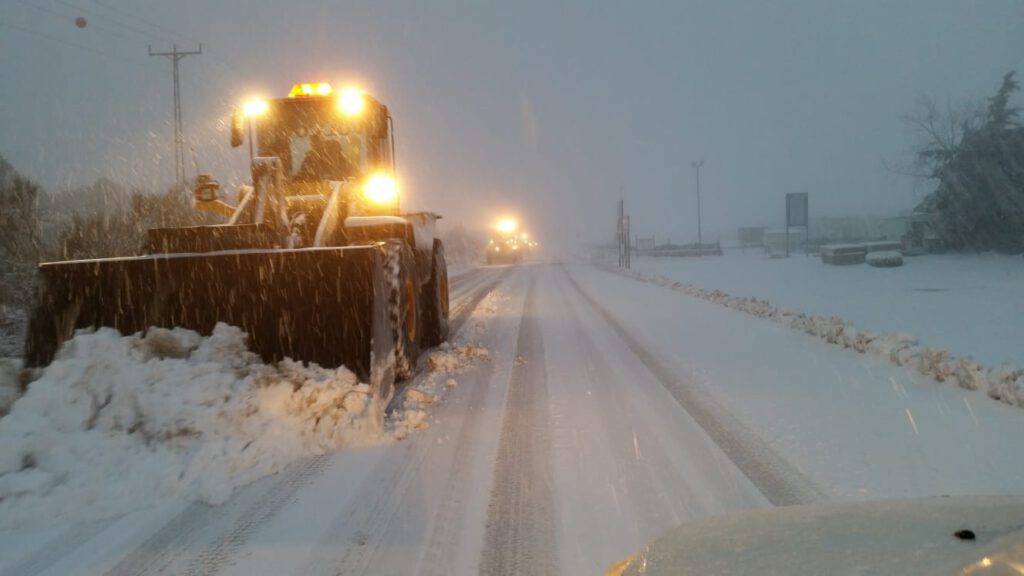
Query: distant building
point(840, 229)
point(775, 241)
point(644, 243)
point(914, 231)
point(751, 237)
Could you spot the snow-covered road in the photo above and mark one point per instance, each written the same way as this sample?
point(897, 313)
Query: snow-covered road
point(607, 411)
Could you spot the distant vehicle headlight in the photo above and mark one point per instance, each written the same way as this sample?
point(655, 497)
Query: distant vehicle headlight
point(506, 225)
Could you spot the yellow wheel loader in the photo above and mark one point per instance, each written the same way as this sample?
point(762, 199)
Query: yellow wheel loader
point(315, 263)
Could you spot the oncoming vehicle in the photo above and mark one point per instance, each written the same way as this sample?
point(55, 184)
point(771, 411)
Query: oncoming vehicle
point(504, 251)
point(316, 262)
point(505, 246)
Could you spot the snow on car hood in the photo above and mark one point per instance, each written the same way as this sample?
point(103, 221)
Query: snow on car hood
point(118, 423)
point(905, 537)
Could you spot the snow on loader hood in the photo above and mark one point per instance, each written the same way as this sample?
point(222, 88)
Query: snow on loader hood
point(962, 535)
point(117, 423)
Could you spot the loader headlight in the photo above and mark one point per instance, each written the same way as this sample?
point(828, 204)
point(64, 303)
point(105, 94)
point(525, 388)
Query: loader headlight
point(255, 108)
point(380, 189)
point(351, 102)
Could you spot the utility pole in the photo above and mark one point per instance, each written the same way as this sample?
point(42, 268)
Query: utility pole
point(619, 231)
point(179, 139)
point(627, 246)
point(696, 165)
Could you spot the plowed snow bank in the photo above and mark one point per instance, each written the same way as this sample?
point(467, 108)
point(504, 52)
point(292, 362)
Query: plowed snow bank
point(1004, 383)
point(119, 423)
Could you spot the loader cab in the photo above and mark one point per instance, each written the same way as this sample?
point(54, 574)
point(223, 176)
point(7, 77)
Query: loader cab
point(322, 135)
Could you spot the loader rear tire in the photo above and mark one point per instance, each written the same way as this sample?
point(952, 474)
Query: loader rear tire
point(434, 299)
point(404, 307)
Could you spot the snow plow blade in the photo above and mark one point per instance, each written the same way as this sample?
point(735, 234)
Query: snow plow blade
point(322, 305)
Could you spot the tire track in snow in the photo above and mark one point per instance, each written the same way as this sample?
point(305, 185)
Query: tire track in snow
point(520, 534)
point(648, 480)
point(467, 301)
point(158, 551)
point(446, 525)
point(466, 307)
point(218, 552)
point(349, 544)
point(56, 549)
point(456, 283)
point(234, 521)
point(359, 533)
point(778, 480)
point(174, 541)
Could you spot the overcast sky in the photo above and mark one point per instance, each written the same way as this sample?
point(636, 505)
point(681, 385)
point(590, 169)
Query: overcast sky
point(551, 110)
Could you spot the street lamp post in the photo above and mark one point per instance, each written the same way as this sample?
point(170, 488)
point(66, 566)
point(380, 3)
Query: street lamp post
point(696, 165)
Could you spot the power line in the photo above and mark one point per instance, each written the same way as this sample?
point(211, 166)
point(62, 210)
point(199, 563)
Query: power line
point(144, 21)
point(64, 17)
point(141, 36)
point(179, 139)
point(142, 33)
point(157, 26)
point(62, 41)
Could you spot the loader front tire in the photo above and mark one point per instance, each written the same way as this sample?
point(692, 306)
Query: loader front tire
point(404, 307)
point(434, 299)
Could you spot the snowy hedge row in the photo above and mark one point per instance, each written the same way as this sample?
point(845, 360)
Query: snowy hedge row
point(1005, 383)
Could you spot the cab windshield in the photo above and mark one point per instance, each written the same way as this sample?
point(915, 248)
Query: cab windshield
point(322, 154)
point(314, 142)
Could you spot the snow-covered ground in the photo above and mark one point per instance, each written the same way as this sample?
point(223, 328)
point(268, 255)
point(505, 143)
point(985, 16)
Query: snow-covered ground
point(858, 426)
point(969, 305)
point(576, 415)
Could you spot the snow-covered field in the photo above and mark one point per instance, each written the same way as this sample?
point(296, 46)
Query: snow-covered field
point(969, 305)
point(858, 426)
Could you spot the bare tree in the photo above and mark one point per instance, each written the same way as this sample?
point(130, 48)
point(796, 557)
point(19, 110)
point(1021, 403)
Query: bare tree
point(974, 158)
point(941, 130)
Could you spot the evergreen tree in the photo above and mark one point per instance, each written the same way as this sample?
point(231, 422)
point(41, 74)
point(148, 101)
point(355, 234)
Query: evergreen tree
point(979, 200)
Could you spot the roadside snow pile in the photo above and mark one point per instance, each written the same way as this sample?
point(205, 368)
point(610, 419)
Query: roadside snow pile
point(1005, 383)
point(118, 423)
point(451, 359)
point(884, 259)
point(448, 360)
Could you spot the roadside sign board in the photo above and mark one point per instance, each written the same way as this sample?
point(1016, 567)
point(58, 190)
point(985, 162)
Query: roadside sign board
point(796, 209)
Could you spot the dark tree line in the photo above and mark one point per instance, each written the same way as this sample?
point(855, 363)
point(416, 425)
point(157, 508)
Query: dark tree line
point(19, 230)
point(117, 222)
point(99, 220)
point(20, 243)
point(978, 161)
